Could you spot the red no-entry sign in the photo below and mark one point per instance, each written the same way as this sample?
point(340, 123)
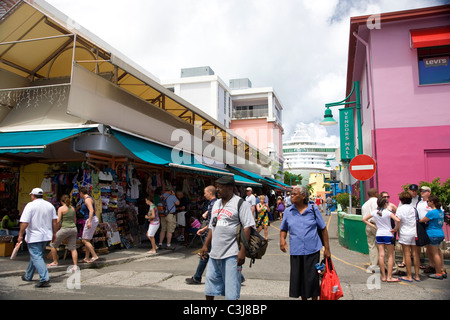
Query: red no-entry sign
point(362, 167)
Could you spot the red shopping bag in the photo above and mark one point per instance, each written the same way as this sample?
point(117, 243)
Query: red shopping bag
point(330, 288)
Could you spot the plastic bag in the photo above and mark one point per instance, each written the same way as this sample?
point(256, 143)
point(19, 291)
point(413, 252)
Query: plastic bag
point(330, 288)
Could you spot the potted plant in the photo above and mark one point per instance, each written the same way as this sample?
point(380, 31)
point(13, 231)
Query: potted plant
point(344, 200)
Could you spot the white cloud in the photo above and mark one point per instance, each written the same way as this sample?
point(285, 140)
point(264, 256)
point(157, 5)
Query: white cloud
point(299, 47)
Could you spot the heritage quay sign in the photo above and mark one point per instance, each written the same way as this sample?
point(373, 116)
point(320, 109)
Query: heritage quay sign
point(347, 131)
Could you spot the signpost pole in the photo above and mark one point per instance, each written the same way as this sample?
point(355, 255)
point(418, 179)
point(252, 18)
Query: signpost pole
point(350, 191)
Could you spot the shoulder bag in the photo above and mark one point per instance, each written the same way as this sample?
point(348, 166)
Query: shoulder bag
point(422, 238)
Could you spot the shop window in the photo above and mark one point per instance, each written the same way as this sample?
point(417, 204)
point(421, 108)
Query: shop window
point(434, 66)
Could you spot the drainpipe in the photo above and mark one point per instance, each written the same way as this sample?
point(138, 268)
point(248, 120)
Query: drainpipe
point(372, 108)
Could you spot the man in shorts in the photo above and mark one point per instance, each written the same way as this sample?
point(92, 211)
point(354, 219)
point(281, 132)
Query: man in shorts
point(169, 222)
point(223, 275)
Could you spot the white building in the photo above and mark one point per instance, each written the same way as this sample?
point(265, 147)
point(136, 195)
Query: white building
point(305, 153)
point(255, 114)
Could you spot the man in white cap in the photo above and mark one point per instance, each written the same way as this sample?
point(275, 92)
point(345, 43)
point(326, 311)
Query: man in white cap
point(251, 199)
point(39, 221)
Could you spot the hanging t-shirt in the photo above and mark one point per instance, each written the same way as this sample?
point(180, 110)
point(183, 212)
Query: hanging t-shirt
point(46, 185)
point(134, 188)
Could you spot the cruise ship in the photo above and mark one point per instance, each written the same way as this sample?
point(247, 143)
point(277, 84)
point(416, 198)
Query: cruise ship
point(307, 153)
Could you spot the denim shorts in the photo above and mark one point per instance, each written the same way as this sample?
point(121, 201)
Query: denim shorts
point(435, 241)
point(223, 278)
point(383, 240)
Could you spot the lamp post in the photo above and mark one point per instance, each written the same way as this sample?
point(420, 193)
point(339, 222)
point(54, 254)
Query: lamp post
point(347, 128)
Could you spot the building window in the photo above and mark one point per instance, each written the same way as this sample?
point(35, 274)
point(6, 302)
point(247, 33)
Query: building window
point(434, 66)
point(257, 111)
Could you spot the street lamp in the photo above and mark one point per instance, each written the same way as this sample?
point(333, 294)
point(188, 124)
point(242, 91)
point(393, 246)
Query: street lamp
point(347, 127)
point(328, 119)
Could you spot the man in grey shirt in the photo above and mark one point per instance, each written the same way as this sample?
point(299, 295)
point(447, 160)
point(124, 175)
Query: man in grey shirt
point(223, 276)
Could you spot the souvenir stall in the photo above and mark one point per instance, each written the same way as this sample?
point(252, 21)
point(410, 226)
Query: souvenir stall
point(115, 192)
point(9, 182)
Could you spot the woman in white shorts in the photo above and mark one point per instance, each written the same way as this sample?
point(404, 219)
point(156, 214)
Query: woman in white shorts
point(91, 222)
point(407, 237)
point(153, 218)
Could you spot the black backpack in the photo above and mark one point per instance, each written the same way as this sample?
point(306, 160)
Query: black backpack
point(256, 247)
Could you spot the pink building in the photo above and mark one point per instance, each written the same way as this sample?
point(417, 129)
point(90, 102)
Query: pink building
point(402, 62)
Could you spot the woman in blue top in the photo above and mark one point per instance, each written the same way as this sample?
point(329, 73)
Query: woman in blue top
point(91, 222)
point(435, 220)
point(303, 223)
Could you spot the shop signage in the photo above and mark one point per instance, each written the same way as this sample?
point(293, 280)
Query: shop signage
point(347, 131)
point(436, 62)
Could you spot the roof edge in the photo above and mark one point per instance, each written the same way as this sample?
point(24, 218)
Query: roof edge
point(356, 22)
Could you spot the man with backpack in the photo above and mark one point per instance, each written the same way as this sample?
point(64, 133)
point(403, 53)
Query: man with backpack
point(223, 276)
point(168, 219)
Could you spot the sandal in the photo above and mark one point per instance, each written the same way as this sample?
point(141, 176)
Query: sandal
point(53, 264)
point(401, 265)
point(92, 260)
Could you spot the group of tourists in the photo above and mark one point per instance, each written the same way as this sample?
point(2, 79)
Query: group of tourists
point(301, 220)
point(384, 220)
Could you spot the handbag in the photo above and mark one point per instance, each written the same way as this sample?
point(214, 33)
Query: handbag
point(330, 288)
point(422, 238)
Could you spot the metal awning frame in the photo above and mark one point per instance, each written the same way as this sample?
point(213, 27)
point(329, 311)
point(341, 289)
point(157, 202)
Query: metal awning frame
point(102, 63)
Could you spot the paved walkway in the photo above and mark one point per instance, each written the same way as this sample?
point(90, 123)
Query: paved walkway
point(272, 269)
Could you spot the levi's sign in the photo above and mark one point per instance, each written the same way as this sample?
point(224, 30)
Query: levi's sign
point(347, 131)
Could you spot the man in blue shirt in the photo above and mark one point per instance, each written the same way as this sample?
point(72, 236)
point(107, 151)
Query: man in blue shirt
point(169, 222)
point(303, 222)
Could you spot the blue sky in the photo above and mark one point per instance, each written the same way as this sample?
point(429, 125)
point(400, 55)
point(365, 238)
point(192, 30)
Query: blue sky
point(298, 47)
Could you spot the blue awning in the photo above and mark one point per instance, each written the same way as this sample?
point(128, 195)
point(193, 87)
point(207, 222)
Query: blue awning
point(268, 181)
point(148, 151)
point(242, 180)
point(248, 173)
point(34, 141)
point(155, 153)
point(282, 184)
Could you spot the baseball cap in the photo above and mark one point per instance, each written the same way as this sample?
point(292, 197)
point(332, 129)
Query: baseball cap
point(413, 187)
point(249, 189)
point(37, 192)
point(225, 180)
point(425, 188)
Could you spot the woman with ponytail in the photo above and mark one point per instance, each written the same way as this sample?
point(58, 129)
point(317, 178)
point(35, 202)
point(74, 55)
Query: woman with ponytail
point(382, 217)
point(68, 231)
